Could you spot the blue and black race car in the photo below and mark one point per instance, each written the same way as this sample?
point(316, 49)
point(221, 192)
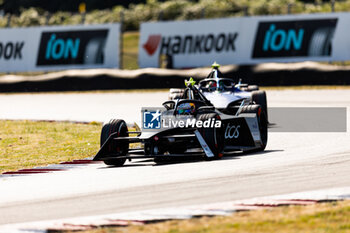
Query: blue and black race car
point(186, 127)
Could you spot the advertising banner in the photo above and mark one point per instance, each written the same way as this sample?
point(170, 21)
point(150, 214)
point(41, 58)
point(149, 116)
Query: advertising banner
point(297, 38)
point(246, 40)
point(58, 48)
point(192, 43)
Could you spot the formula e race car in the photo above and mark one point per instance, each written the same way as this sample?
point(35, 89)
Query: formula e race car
point(186, 127)
point(223, 91)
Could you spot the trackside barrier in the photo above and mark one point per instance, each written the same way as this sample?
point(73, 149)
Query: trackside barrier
point(180, 44)
point(245, 40)
point(59, 47)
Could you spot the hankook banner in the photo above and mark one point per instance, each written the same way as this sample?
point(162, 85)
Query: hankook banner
point(191, 43)
point(246, 40)
point(59, 47)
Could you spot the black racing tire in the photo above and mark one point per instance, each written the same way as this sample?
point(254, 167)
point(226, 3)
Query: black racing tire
point(175, 93)
point(262, 121)
point(122, 147)
point(259, 97)
point(214, 137)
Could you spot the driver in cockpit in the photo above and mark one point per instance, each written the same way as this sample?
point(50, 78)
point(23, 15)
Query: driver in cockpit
point(186, 109)
point(211, 86)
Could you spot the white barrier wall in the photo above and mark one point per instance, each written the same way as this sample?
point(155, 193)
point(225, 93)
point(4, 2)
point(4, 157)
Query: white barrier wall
point(61, 47)
point(246, 40)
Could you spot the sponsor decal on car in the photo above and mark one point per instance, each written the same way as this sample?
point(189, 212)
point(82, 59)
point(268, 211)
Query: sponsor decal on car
point(254, 128)
point(72, 47)
point(294, 38)
point(232, 131)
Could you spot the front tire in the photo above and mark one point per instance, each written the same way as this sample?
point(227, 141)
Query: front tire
point(259, 97)
point(120, 148)
point(214, 137)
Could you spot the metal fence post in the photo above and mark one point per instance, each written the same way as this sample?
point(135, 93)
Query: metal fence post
point(203, 13)
point(121, 40)
point(47, 19)
point(83, 16)
point(245, 10)
point(289, 8)
point(160, 16)
point(8, 24)
point(333, 5)
point(82, 11)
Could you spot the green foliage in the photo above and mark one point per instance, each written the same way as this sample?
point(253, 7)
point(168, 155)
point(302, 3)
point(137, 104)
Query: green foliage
point(153, 10)
point(29, 17)
point(173, 9)
point(130, 50)
point(14, 6)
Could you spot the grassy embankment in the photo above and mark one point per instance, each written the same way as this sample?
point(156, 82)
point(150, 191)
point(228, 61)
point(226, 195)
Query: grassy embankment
point(130, 50)
point(28, 144)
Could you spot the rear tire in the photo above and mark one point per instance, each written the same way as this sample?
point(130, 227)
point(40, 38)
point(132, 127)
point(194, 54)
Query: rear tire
point(214, 137)
point(259, 97)
point(120, 148)
point(263, 124)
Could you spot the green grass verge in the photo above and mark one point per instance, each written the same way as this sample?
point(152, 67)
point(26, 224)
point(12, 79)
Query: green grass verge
point(130, 50)
point(27, 144)
point(320, 218)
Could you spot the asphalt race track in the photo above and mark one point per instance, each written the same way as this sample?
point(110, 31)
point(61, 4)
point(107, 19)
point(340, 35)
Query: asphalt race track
point(292, 162)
